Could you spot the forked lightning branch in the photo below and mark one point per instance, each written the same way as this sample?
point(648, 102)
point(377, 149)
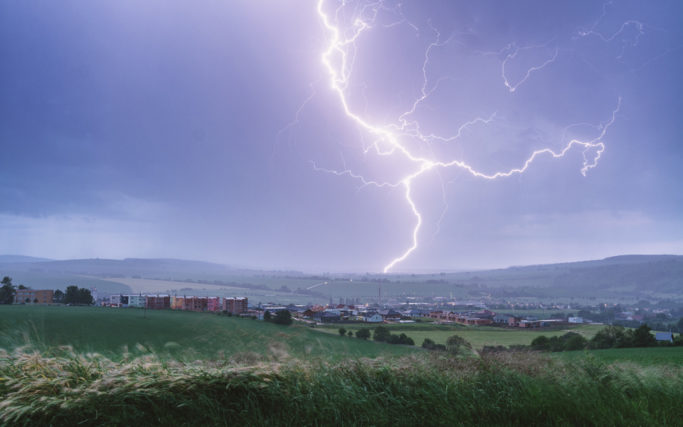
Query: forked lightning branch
point(389, 139)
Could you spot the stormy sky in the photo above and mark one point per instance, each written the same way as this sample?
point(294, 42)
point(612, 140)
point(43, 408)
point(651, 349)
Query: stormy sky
point(211, 130)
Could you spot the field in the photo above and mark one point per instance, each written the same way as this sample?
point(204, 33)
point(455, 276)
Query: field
point(119, 333)
point(642, 356)
point(478, 336)
point(94, 366)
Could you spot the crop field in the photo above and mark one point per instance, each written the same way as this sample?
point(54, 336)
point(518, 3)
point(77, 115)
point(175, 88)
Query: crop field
point(478, 336)
point(642, 356)
point(120, 333)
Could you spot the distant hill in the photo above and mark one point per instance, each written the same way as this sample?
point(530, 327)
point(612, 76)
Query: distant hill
point(129, 267)
point(12, 259)
point(626, 276)
point(626, 273)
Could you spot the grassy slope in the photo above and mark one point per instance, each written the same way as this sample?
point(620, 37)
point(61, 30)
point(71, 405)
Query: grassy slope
point(478, 336)
point(181, 335)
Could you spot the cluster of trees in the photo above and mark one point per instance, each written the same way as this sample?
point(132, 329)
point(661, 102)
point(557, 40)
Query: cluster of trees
point(608, 337)
point(343, 332)
point(619, 337)
point(455, 345)
point(282, 317)
point(382, 334)
point(567, 342)
point(74, 296)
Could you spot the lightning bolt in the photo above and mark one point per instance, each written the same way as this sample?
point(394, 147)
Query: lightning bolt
point(338, 58)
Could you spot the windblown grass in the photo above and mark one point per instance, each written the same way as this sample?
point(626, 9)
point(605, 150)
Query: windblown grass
point(72, 388)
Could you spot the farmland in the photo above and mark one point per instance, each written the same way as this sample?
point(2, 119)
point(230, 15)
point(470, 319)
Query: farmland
point(478, 336)
point(89, 366)
point(119, 333)
point(642, 356)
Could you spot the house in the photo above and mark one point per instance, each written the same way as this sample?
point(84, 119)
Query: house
point(514, 321)
point(664, 336)
point(115, 300)
point(502, 319)
point(33, 296)
point(327, 316)
point(373, 317)
point(390, 314)
point(530, 324)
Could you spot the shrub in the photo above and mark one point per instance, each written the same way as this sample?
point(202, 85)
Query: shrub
point(381, 334)
point(458, 345)
point(363, 333)
point(283, 317)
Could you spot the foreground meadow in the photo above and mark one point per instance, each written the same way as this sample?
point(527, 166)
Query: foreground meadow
point(69, 388)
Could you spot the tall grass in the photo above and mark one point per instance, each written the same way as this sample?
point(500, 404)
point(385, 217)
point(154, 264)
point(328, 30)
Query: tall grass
point(70, 388)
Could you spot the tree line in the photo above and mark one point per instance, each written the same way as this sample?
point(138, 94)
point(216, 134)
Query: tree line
point(608, 337)
point(73, 294)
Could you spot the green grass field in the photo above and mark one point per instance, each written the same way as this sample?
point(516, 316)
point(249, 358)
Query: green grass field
point(649, 356)
point(173, 334)
point(478, 336)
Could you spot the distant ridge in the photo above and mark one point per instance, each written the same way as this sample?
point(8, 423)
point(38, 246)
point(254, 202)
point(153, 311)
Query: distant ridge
point(11, 259)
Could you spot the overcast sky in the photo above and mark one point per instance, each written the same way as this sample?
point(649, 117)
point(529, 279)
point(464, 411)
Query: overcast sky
point(208, 130)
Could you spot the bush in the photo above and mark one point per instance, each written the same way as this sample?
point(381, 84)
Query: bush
point(342, 332)
point(428, 344)
point(283, 317)
point(363, 333)
point(381, 334)
point(540, 343)
point(458, 345)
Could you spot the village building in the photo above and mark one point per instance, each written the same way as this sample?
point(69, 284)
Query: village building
point(33, 296)
point(158, 302)
point(235, 305)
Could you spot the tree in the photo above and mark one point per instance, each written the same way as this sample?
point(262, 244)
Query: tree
point(642, 336)
point(76, 295)
point(608, 337)
point(58, 296)
point(71, 295)
point(84, 296)
point(457, 345)
point(350, 333)
point(283, 317)
point(267, 316)
point(540, 343)
point(381, 334)
point(7, 291)
point(342, 331)
point(573, 341)
point(428, 344)
point(363, 333)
